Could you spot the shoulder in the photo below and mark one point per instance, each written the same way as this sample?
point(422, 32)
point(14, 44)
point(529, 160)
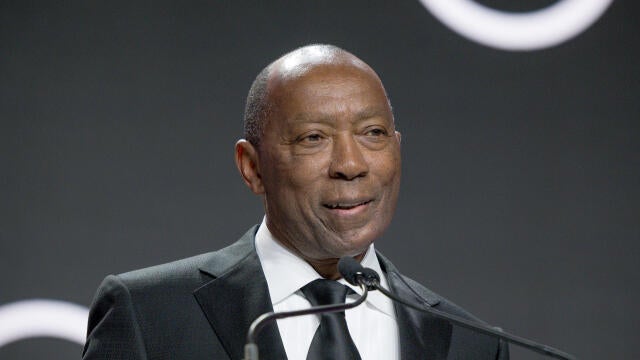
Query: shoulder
point(173, 274)
point(190, 272)
point(153, 290)
point(133, 312)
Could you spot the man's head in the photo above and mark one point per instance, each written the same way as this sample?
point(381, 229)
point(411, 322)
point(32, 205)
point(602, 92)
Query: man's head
point(323, 151)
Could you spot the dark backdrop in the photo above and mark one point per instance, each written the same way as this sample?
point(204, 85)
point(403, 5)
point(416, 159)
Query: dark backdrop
point(520, 195)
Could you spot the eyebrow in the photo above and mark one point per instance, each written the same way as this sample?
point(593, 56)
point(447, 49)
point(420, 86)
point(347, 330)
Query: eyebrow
point(370, 112)
point(311, 117)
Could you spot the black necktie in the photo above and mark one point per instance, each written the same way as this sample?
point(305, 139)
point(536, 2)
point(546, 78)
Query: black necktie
point(332, 340)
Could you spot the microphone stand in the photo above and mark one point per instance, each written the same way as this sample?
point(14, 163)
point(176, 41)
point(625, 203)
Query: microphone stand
point(526, 343)
point(251, 348)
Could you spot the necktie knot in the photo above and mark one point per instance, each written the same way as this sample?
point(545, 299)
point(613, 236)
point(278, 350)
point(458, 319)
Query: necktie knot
point(325, 292)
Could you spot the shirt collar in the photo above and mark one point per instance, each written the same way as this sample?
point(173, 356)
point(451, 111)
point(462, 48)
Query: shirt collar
point(286, 273)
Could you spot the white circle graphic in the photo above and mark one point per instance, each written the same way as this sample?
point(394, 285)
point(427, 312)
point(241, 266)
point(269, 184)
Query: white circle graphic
point(42, 318)
point(533, 30)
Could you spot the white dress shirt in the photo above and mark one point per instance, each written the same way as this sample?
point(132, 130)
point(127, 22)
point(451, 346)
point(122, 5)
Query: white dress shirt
point(372, 325)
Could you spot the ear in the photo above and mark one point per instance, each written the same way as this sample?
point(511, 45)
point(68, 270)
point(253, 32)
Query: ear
point(399, 137)
point(247, 163)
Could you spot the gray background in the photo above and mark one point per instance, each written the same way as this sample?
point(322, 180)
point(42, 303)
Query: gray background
point(520, 195)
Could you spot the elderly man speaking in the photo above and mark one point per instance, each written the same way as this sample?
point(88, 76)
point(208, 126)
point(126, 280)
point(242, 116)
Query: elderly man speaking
point(322, 151)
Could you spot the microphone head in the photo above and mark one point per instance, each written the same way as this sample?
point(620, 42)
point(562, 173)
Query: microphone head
point(371, 277)
point(350, 270)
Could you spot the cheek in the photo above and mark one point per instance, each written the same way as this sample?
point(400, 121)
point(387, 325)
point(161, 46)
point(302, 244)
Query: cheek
point(305, 171)
point(298, 175)
point(388, 168)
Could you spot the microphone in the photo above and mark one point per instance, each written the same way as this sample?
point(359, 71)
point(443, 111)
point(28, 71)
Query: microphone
point(355, 274)
point(367, 278)
point(363, 280)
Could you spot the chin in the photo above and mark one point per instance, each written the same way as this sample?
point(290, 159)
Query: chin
point(353, 244)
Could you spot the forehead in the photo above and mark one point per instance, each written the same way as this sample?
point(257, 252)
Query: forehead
point(328, 88)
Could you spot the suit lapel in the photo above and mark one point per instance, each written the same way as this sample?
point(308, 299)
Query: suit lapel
point(236, 297)
point(421, 336)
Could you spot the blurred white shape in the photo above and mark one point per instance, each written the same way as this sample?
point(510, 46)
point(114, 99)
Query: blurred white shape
point(524, 31)
point(42, 318)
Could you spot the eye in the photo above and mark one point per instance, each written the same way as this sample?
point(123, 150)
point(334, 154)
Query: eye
point(310, 139)
point(375, 137)
point(376, 132)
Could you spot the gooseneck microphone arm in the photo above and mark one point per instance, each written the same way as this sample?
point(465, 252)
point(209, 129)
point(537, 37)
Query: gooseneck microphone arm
point(251, 348)
point(529, 344)
point(371, 280)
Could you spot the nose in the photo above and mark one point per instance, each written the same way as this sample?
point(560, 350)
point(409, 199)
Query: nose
point(347, 160)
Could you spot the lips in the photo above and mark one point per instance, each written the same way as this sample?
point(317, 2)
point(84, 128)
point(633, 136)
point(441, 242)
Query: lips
point(346, 205)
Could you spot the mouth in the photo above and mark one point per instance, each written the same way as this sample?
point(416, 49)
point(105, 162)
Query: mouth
point(346, 205)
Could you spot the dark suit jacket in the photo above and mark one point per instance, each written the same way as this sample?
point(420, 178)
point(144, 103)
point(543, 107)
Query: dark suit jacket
point(201, 308)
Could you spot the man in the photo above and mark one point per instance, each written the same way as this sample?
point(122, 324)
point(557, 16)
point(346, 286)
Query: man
point(322, 151)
